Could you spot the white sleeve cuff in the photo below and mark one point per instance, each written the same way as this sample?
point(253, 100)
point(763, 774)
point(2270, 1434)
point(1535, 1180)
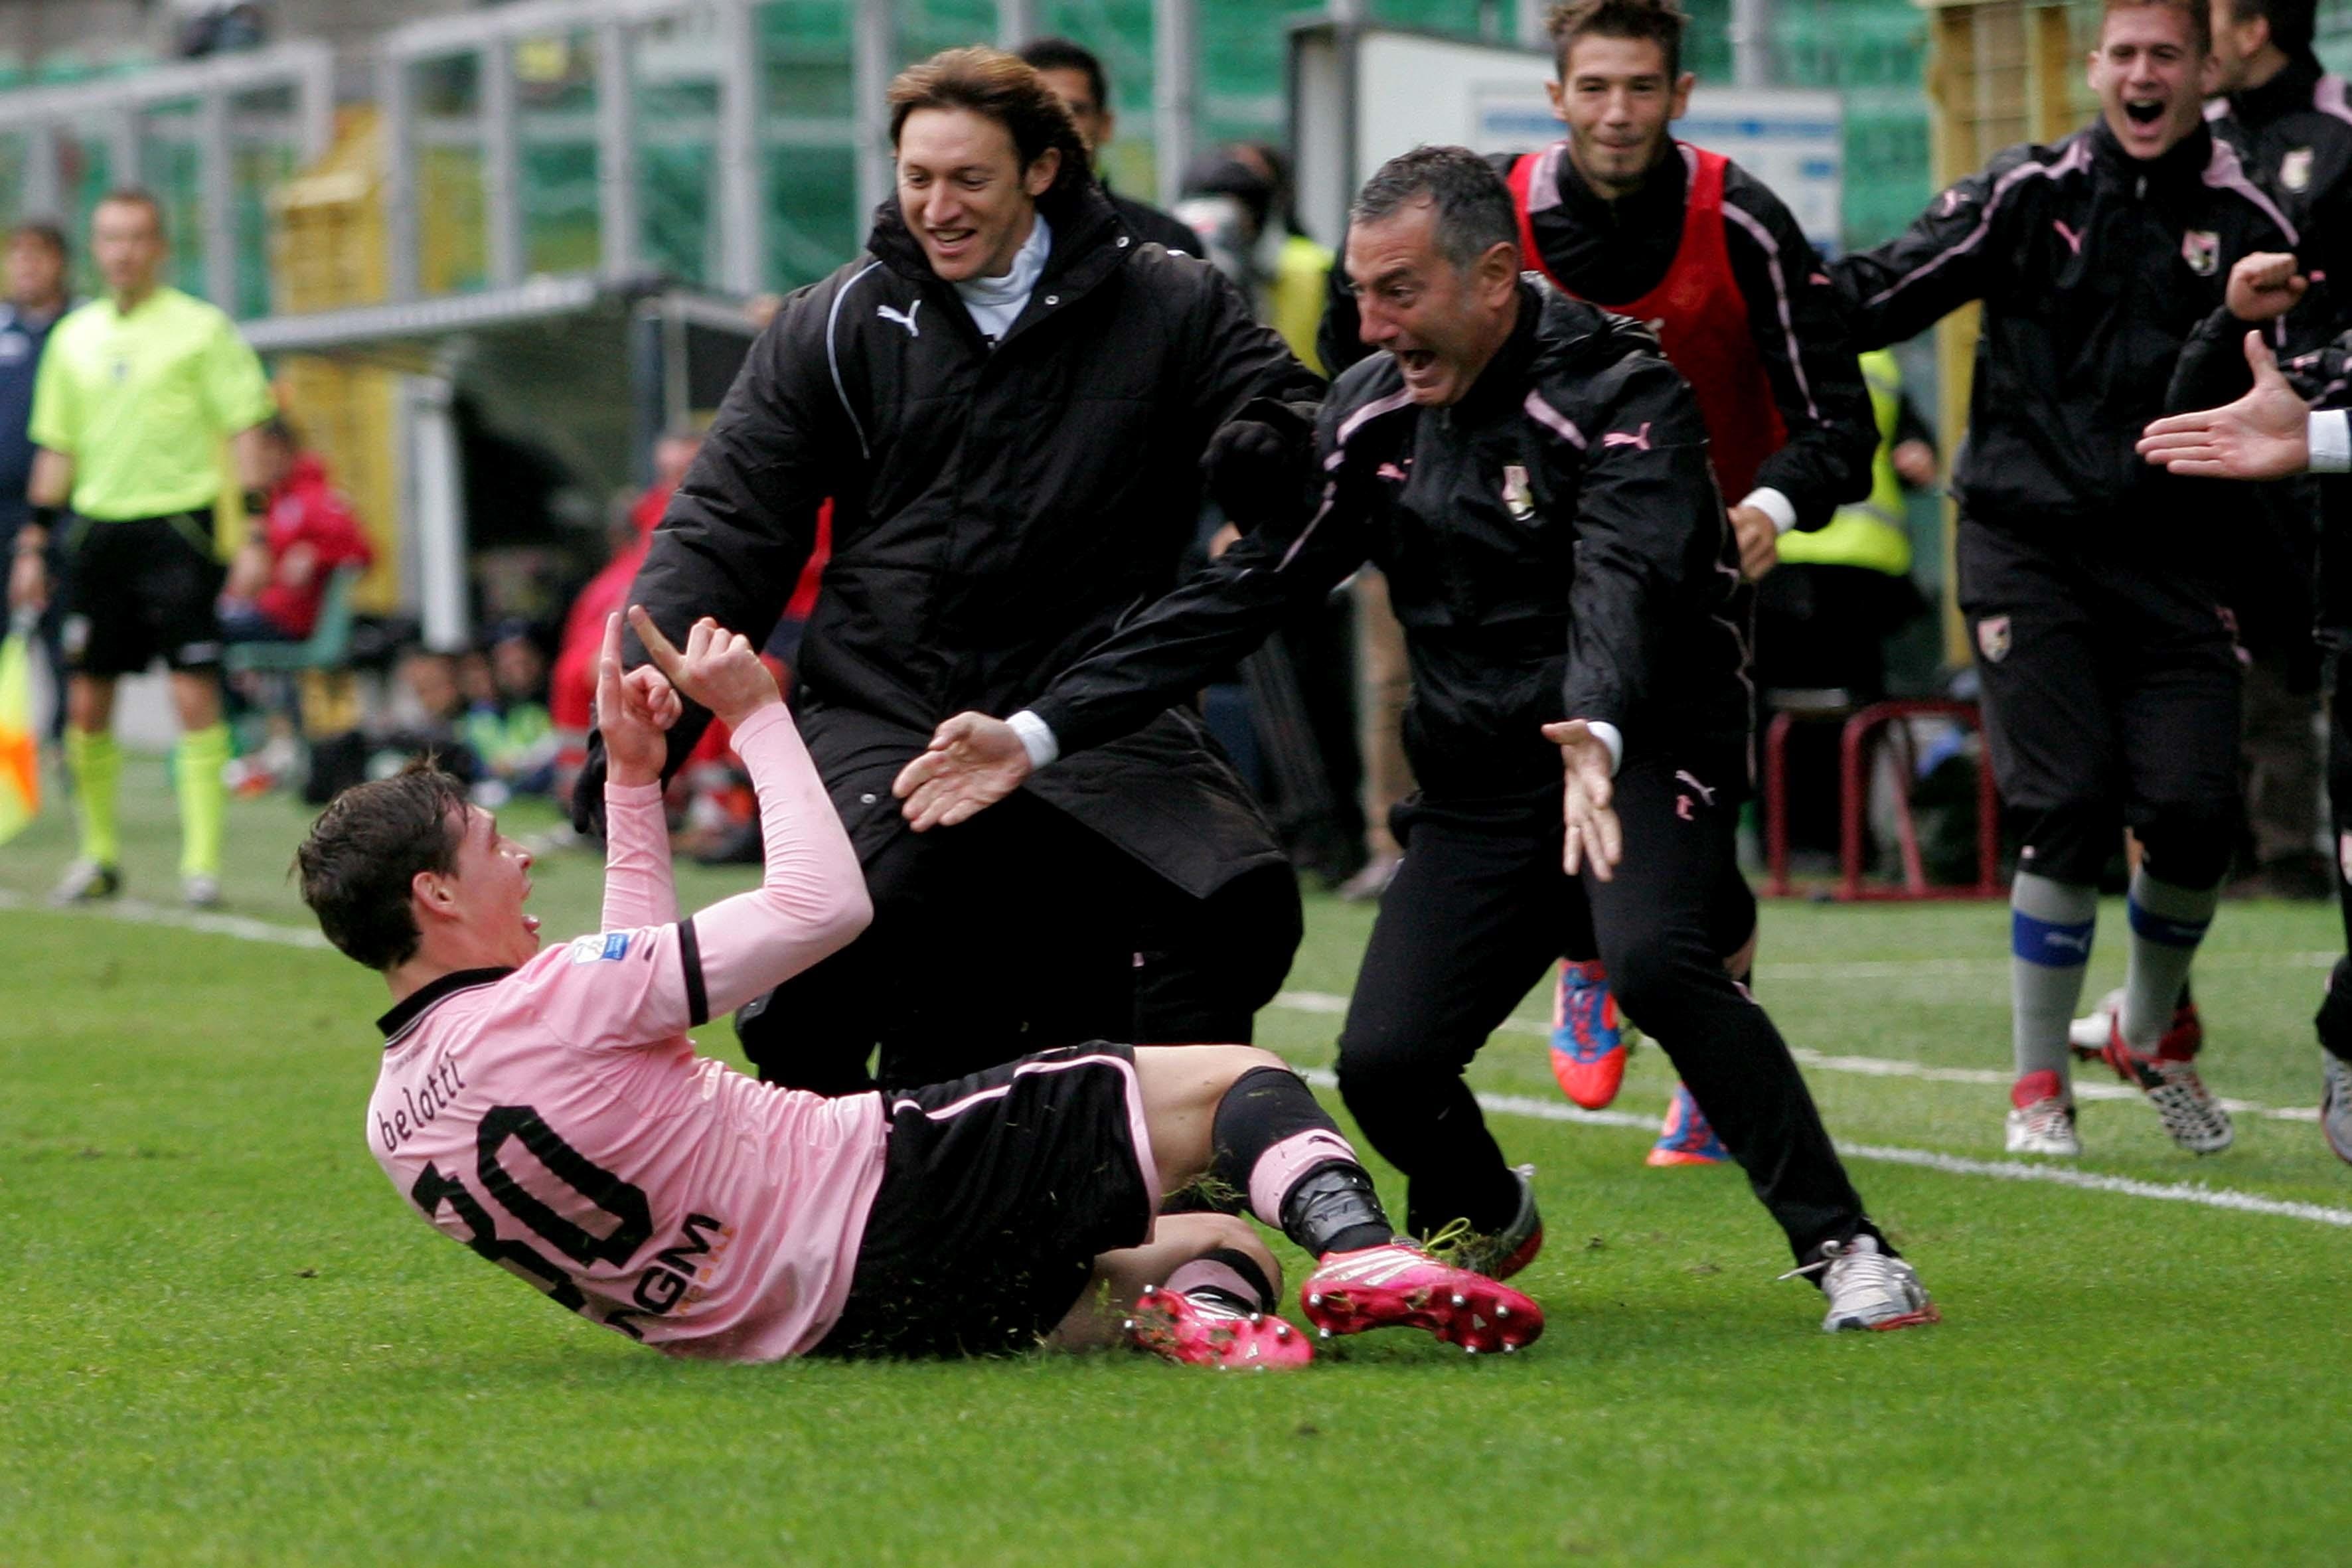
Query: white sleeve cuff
point(1774, 505)
point(1611, 737)
point(2330, 436)
point(1036, 739)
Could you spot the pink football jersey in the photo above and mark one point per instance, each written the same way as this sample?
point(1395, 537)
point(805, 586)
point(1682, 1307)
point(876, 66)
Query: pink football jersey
point(556, 1120)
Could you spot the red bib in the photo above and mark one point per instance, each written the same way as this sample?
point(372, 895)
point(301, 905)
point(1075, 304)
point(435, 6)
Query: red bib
point(1701, 318)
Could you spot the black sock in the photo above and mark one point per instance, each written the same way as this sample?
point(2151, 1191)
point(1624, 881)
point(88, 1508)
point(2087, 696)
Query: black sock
point(2335, 1020)
point(1280, 1154)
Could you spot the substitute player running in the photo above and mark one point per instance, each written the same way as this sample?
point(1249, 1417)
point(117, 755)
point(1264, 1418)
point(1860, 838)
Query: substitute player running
point(1531, 476)
point(2109, 663)
point(546, 1108)
point(1619, 213)
point(136, 393)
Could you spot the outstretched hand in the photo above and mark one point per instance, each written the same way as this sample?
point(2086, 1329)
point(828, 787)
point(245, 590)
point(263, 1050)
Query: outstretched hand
point(635, 711)
point(1588, 806)
point(2262, 436)
point(972, 762)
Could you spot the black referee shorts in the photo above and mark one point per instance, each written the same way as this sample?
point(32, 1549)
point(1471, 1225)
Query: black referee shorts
point(998, 1193)
point(2111, 671)
point(140, 589)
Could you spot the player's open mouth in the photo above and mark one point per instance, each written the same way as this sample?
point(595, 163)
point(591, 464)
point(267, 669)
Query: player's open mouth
point(2144, 112)
point(1416, 362)
point(951, 238)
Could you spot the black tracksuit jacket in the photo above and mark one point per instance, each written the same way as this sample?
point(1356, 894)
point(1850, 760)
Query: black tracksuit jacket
point(2094, 268)
point(997, 510)
point(1554, 545)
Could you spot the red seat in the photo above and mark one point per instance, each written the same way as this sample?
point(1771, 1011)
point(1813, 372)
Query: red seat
point(1861, 727)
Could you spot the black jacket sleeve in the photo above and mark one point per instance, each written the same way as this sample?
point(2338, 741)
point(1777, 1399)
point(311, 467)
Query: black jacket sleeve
point(1649, 530)
point(1211, 620)
point(1902, 287)
point(743, 521)
point(1799, 332)
point(1241, 360)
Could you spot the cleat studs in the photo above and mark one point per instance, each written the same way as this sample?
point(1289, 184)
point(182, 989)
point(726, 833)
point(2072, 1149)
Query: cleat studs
point(1257, 1318)
point(1509, 1346)
point(1460, 1299)
point(1502, 1310)
point(1325, 1333)
point(1316, 1299)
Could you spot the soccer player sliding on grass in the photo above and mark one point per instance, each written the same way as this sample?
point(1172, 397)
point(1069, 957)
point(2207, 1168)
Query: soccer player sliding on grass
point(546, 1108)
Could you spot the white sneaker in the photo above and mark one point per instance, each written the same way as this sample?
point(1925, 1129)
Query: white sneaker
point(2044, 1127)
point(1868, 1289)
point(2335, 1103)
point(2090, 1032)
point(200, 891)
point(85, 882)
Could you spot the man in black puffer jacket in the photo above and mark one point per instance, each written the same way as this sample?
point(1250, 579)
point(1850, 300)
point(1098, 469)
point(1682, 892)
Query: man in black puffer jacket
point(1007, 399)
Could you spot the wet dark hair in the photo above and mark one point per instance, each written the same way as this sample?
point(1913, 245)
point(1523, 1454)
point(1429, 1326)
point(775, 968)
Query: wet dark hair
point(367, 848)
point(1661, 22)
point(2293, 22)
point(1475, 212)
point(1068, 55)
point(1007, 89)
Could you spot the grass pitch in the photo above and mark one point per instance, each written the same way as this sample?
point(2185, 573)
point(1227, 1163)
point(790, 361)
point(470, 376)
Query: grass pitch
point(230, 1343)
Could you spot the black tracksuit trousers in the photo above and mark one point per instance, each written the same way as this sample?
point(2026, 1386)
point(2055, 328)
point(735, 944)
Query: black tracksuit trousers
point(1480, 909)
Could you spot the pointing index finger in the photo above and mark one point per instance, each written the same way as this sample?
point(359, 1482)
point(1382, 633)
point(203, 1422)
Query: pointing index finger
point(657, 646)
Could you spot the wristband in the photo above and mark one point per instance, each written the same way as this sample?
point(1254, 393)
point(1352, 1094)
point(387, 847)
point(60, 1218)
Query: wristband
point(45, 517)
point(257, 502)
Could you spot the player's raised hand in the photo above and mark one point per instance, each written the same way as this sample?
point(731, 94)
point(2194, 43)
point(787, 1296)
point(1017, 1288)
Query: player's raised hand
point(634, 712)
point(2265, 286)
point(2262, 435)
point(1588, 806)
point(720, 668)
point(972, 762)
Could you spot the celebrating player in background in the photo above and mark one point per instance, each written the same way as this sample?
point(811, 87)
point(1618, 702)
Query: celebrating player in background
point(36, 300)
point(546, 1108)
point(137, 391)
point(1007, 401)
point(2110, 670)
point(2271, 432)
point(1533, 479)
point(1619, 213)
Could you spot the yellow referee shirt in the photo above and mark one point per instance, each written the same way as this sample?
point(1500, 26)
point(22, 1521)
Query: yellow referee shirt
point(141, 402)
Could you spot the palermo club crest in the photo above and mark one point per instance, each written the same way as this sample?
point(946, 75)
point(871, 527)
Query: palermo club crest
point(1992, 639)
point(2202, 248)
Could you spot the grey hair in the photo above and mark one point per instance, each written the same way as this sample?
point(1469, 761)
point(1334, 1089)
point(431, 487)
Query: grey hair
point(1473, 208)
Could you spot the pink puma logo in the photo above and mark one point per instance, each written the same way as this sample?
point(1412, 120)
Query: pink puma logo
point(1389, 471)
point(2073, 241)
point(1638, 440)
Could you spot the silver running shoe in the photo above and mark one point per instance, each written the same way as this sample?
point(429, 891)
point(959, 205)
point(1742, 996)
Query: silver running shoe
point(2335, 1103)
point(200, 891)
point(1868, 1289)
point(84, 882)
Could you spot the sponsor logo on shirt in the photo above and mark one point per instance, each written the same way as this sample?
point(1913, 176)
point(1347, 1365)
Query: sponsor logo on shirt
point(904, 318)
point(2202, 248)
point(2294, 168)
point(600, 947)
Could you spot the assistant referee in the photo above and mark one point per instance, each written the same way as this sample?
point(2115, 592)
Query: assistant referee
point(135, 393)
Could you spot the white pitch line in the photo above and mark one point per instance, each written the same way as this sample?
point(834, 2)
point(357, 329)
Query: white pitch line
point(1868, 1067)
point(245, 929)
point(1950, 1165)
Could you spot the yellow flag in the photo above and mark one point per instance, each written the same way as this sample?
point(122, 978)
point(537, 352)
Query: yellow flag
point(20, 757)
